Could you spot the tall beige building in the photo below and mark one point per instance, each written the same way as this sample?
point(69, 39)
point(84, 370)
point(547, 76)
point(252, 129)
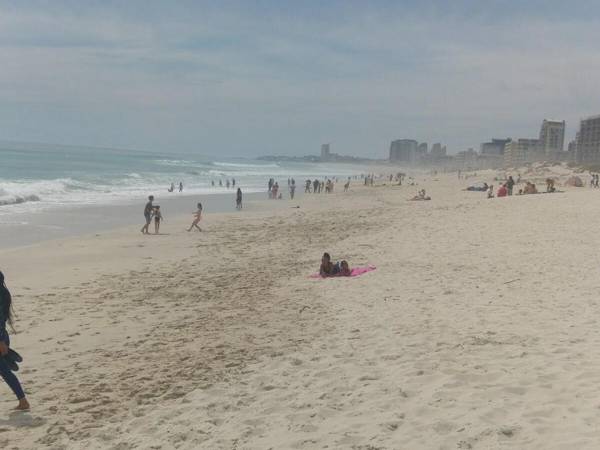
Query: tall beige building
point(587, 148)
point(552, 138)
point(522, 151)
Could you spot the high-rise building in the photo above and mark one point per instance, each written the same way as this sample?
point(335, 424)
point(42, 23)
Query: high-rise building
point(572, 150)
point(495, 147)
point(466, 158)
point(552, 138)
point(325, 151)
point(421, 156)
point(404, 150)
point(437, 151)
point(587, 149)
point(521, 151)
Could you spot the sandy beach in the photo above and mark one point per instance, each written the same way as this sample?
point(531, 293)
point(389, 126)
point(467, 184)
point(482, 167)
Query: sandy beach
point(477, 330)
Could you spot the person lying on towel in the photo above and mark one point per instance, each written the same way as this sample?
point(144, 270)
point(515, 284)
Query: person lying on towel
point(328, 269)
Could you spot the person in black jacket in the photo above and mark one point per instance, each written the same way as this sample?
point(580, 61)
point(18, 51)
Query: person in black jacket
point(510, 184)
point(5, 371)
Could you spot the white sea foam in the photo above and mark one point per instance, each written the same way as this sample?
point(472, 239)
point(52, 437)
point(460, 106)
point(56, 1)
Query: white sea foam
point(244, 165)
point(17, 199)
point(129, 177)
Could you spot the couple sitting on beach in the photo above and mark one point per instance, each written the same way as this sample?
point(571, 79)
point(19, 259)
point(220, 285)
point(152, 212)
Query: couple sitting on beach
point(422, 195)
point(328, 269)
point(529, 189)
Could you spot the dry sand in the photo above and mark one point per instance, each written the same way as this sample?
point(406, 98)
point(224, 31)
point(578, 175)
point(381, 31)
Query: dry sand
point(477, 330)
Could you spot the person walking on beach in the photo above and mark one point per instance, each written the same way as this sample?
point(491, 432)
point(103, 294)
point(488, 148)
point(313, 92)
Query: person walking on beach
point(307, 186)
point(238, 199)
point(197, 218)
point(148, 214)
point(292, 189)
point(158, 218)
point(181, 186)
point(7, 375)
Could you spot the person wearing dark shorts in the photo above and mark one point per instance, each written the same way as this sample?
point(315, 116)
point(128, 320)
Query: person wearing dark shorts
point(148, 214)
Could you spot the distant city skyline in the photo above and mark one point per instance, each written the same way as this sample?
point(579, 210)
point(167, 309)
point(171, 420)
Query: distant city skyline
point(256, 78)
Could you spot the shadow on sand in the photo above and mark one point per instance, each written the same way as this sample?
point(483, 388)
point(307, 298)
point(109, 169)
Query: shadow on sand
point(22, 419)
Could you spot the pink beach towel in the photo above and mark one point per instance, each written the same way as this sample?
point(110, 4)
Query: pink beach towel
point(355, 272)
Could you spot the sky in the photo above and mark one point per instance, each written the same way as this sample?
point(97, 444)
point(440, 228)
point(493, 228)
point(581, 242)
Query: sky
point(249, 78)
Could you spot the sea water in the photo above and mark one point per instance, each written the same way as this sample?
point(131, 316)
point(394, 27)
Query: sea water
point(35, 177)
point(37, 181)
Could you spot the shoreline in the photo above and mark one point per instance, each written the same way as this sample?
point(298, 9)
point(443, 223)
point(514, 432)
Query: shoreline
point(69, 221)
point(75, 221)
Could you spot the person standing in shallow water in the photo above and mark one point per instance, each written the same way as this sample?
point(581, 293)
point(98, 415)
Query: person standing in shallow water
point(5, 372)
point(238, 199)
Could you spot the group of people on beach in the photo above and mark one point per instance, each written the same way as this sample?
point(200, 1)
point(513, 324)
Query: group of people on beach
point(507, 188)
point(421, 196)
point(316, 186)
point(172, 188)
point(504, 190)
point(152, 211)
point(228, 183)
point(274, 189)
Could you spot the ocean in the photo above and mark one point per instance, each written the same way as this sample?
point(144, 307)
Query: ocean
point(44, 176)
point(38, 181)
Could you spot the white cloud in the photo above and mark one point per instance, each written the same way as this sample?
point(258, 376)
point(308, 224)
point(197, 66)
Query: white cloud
point(272, 84)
